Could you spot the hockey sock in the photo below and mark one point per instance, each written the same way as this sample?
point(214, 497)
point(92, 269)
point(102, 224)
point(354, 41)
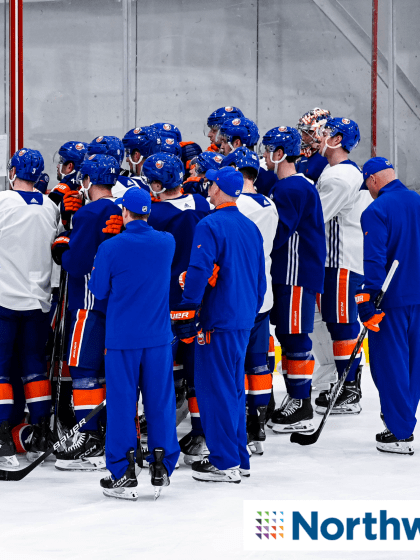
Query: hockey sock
point(38, 396)
point(271, 355)
point(259, 381)
point(196, 426)
point(344, 337)
point(88, 392)
point(6, 399)
point(300, 364)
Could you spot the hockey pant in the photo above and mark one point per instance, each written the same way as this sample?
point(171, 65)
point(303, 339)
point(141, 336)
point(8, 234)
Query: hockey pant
point(220, 388)
point(258, 377)
point(86, 363)
point(123, 376)
point(394, 354)
point(339, 310)
point(27, 332)
point(293, 316)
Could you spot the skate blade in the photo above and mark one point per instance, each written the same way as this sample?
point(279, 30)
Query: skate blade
point(121, 493)
point(234, 477)
point(337, 411)
point(399, 448)
point(88, 464)
point(9, 463)
point(290, 428)
point(257, 447)
point(32, 456)
point(245, 473)
point(157, 493)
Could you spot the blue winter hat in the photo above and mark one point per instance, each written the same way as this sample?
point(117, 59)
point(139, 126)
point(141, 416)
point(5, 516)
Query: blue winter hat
point(136, 200)
point(230, 181)
point(372, 166)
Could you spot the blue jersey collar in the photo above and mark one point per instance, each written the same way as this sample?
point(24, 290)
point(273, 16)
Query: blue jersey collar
point(392, 186)
point(137, 226)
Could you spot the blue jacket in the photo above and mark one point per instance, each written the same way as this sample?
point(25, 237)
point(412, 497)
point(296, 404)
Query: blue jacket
point(299, 250)
point(228, 238)
point(179, 216)
point(391, 227)
point(312, 167)
point(85, 239)
point(134, 270)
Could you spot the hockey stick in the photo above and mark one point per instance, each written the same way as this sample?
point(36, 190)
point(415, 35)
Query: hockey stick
point(309, 439)
point(18, 475)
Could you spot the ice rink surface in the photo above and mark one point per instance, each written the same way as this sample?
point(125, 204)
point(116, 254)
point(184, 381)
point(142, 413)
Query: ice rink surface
point(53, 514)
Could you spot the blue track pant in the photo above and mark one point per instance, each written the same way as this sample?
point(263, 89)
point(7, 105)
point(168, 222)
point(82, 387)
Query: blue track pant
point(123, 376)
point(220, 390)
point(394, 354)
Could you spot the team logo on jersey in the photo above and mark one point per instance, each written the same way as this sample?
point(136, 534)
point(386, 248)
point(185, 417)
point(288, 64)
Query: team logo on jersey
point(91, 157)
point(236, 122)
point(167, 127)
point(136, 130)
point(79, 146)
point(22, 152)
point(345, 121)
point(218, 159)
point(159, 164)
point(282, 128)
point(228, 109)
point(169, 141)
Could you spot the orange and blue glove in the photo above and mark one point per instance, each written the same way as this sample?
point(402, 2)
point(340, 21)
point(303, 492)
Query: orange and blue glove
point(212, 280)
point(196, 185)
point(58, 192)
point(369, 315)
point(213, 148)
point(60, 245)
point(186, 324)
point(72, 201)
point(114, 225)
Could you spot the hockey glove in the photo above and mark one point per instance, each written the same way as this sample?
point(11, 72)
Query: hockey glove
point(186, 324)
point(212, 280)
point(72, 202)
point(60, 245)
point(369, 315)
point(213, 148)
point(195, 185)
point(114, 225)
point(58, 193)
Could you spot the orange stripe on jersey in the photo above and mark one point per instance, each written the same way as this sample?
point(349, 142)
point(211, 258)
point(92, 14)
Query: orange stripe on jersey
point(36, 391)
point(318, 302)
point(88, 398)
point(342, 349)
point(295, 309)
point(342, 295)
point(271, 349)
point(193, 405)
point(300, 369)
point(6, 393)
point(76, 341)
point(260, 382)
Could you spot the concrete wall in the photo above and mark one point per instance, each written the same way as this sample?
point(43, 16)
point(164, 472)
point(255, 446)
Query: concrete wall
point(275, 59)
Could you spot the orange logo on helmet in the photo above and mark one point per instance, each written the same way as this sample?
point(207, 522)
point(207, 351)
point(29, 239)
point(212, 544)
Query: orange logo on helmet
point(159, 164)
point(229, 109)
point(169, 141)
point(22, 152)
point(218, 159)
point(282, 128)
point(79, 146)
point(100, 138)
point(167, 127)
point(345, 121)
point(91, 157)
point(236, 122)
point(136, 130)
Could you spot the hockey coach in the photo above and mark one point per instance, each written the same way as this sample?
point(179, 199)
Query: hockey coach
point(134, 270)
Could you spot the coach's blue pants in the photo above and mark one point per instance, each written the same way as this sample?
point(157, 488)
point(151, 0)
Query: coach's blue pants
point(394, 354)
point(123, 376)
point(220, 389)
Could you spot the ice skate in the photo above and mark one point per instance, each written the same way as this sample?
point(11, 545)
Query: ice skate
point(125, 487)
point(194, 448)
point(41, 440)
point(295, 417)
point(386, 442)
point(8, 459)
point(277, 413)
point(85, 454)
point(245, 473)
point(256, 432)
point(348, 400)
point(204, 471)
point(158, 473)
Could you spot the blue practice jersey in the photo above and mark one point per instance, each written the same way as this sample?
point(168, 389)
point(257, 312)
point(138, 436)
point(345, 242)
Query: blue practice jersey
point(391, 230)
point(179, 216)
point(134, 269)
point(299, 250)
point(312, 167)
point(265, 181)
point(231, 240)
point(85, 239)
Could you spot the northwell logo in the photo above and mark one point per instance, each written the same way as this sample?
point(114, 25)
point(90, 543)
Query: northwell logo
point(332, 525)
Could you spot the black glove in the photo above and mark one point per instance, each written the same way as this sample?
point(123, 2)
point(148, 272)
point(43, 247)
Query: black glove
point(60, 245)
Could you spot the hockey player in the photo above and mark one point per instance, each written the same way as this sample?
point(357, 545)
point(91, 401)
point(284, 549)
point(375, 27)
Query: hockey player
point(258, 381)
point(179, 215)
point(110, 146)
point(391, 231)
point(76, 252)
point(312, 164)
point(342, 205)
point(215, 121)
point(230, 240)
point(137, 147)
point(197, 182)
point(138, 341)
point(298, 273)
point(68, 158)
point(189, 150)
point(168, 131)
point(29, 222)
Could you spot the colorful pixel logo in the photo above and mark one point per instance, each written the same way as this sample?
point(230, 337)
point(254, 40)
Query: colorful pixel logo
point(269, 524)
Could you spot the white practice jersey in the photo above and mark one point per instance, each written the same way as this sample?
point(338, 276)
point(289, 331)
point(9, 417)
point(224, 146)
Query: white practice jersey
point(342, 204)
point(263, 212)
point(29, 223)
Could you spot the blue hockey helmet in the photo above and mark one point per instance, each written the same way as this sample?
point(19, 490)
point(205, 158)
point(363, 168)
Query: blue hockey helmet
point(242, 157)
point(348, 129)
point(242, 128)
point(166, 145)
point(101, 170)
point(73, 152)
point(166, 129)
point(29, 165)
point(166, 168)
point(107, 145)
point(207, 160)
point(284, 137)
point(42, 183)
point(219, 116)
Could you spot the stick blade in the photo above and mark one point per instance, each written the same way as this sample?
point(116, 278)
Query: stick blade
point(14, 475)
point(304, 439)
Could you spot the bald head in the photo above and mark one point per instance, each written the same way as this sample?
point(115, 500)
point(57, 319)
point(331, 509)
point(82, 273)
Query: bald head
point(378, 180)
